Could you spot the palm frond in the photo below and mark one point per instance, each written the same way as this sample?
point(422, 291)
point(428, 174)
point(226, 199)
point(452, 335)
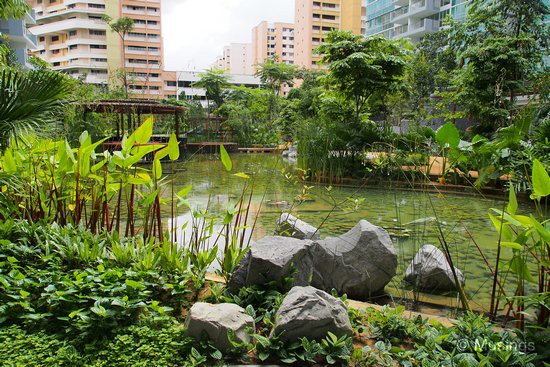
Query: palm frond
point(30, 100)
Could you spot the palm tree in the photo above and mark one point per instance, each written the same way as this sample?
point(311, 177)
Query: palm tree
point(30, 100)
point(122, 27)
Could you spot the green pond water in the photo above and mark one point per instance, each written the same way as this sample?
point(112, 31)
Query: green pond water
point(406, 215)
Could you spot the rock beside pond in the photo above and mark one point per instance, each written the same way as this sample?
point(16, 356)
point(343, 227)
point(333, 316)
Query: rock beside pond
point(430, 271)
point(219, 323)
point(311, 313)
point(290, 226)
point(358, 263)
point(272, 259)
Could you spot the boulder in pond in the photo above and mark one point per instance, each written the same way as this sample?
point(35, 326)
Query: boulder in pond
point(272, 259)
point(430, 271)
point(219, 322)
point(358, 263)
point(290, 226)
point(311, 313)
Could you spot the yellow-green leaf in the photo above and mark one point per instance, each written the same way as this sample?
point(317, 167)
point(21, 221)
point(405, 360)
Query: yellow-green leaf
point(185, 191)
point(173, 147)
point(157, 169)
point(9, 162)
point(225, 158)
point(514, 245)
point(541, 180)
point(512, 201)
point(144, 132)
point(242, 175)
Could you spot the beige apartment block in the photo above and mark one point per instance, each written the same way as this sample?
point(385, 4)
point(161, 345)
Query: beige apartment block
point(315, 18)
point(236, 59)
point(273, 40)
point(73, 37)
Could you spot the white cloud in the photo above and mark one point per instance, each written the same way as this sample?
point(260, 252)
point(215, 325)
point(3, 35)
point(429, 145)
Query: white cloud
point(195, 31)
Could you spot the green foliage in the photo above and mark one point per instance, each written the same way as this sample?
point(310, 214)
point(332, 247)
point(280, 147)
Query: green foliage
point(274, 75)
point(13, 9)
point(216, 83)
point(30, 101)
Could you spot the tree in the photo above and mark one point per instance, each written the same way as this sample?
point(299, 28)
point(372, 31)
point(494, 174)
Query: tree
point(360, 68)
point(7, 54)
point(500, 49)
point(30, 100)
point(216, 82)
point(13, 9)
point(275, 75)
point(122, 27)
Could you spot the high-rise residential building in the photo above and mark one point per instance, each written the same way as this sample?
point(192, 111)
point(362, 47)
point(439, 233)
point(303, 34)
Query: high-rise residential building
point(74, 38)
point(20, 39)
point(314, 19)
point(273, 40)
point(411, 19)
point(236, 59)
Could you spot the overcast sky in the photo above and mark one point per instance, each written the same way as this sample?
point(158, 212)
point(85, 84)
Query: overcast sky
point(195, 31)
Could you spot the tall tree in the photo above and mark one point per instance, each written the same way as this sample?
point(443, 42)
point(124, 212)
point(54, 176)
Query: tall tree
point(122, 27)
point(500, 49)
point(274, 75)
point(215, 82)
point(360, 68)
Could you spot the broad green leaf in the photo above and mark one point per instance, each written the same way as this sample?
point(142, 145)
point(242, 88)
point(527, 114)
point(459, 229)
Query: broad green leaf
point(225, 158)
point(499, 226)
point(542, 231)
point(512, 201)
point(541, 180)
point(24, 294)
point(242, 175)
point(519, 266)
point(173, 147)
point(9, 162)
point(448, 136)
point(148, 200)
point(157, 169)
point(513, 245)
point(133, 284)
point(144, 132)
point(185, 191)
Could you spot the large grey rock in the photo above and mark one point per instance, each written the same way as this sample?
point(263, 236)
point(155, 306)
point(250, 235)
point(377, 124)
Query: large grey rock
point(430, 271)
point(217, 321)
point(359, 263)
point(274, 258)
point(290, 226)
point(311, 313)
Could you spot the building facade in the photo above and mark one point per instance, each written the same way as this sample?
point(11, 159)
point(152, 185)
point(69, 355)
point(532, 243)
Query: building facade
point(273, 40)
point(411, 19)
point(315, 18)
point(236, 59)
point(21, 40)
point(74, 38)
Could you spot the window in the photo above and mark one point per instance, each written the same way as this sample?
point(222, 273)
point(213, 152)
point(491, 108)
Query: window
point(56, 63)
point(136, 34)
point(95, 32)
point(316, 28)
point(137, 61)
point(42, 39)
point(99, 60)
point(329, 17)
point(330, 6)
point(137, 48)
point(95, 17)
point(99, 71)
point(96, 6)
point(72, 33)
point(73, 47)
point(55, 38)
point(153, 9)
point(140, 21)
point(152, 22)
point(55, 52)
point(98, 47)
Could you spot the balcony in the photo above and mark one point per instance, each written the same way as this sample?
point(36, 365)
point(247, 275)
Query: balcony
point(424, 8)
point(68, 24)
point(400, 15)
point(417, 29)
point(400, 2)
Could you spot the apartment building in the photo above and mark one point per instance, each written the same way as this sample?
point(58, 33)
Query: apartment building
point(273, 40)
point(179, 84)
point(20, 39)
point(411, 19)
point(315, 18)
point(73, 38)
point(236, 59)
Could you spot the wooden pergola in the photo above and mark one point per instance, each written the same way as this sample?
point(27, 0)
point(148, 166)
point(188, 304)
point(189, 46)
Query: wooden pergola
point(131, 108)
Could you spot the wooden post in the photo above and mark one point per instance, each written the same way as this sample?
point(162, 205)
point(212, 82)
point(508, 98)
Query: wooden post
point(177, 117)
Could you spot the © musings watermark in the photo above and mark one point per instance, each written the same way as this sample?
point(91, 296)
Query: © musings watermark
point(480, 345)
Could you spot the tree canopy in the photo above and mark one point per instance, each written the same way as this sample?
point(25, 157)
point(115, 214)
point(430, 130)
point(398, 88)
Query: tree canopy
point(216, 82)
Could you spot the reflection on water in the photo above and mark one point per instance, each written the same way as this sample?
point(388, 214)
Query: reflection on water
point(409, 216)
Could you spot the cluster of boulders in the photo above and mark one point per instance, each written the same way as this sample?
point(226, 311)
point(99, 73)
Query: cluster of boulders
point(305, 312)
point(359, 263)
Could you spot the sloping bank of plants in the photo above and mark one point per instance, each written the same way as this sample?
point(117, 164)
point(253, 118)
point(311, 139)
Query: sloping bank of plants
point(81, 284)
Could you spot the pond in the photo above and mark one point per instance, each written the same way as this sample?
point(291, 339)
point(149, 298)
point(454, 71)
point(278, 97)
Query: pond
point(407, 215)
